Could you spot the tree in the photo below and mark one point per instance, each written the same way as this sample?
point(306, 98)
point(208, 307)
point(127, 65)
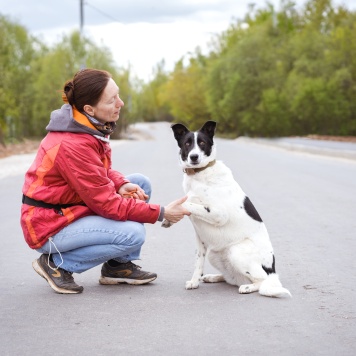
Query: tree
point(185, 91)
point(148, 103)
point(17, 51)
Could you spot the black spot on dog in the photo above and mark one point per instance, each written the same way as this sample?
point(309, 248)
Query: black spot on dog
point(207, 209)
point(251, 210)
point(248, 272)
point(272, 269)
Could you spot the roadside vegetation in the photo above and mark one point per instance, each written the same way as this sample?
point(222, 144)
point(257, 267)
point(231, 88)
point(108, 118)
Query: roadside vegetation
point(271, 73)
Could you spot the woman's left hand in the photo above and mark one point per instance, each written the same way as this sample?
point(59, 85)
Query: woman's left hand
point(130, 190)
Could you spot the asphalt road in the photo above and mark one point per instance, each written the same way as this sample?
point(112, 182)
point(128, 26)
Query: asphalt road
point(307, 202)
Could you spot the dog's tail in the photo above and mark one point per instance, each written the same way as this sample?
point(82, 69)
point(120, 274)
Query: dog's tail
point(272, 287)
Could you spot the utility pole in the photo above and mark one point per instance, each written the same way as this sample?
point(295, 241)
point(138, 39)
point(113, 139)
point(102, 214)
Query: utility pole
point(81, 28)
point(81, 17)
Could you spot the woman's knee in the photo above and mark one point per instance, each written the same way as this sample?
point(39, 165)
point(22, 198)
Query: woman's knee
point(138, 234)
point(142, 181)
point(134, 232)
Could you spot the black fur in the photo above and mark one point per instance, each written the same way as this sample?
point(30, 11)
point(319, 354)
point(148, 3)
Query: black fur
point(272, 269)
point(251, 210)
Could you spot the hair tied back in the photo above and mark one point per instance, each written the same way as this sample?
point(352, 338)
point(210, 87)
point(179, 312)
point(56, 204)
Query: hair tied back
point(68, 92)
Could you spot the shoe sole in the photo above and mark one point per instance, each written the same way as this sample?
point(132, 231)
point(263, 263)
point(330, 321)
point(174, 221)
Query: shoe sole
point(112, 281)
point(36, 266)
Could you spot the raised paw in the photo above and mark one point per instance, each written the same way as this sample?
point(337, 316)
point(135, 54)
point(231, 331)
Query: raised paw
point(191, 284)
point(166, 223)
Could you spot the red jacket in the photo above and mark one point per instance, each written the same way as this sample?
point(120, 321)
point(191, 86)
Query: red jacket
point(75, 167)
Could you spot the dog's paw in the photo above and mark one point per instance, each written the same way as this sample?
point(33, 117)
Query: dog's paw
point(212, 278)
point(191, 285)
point(166, 223)
point(248, 288)
point(244, 289)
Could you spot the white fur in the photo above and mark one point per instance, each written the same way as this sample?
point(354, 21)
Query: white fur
point(235, 244)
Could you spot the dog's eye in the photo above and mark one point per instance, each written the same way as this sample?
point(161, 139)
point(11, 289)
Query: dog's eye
point(202, 144)
point(187, 143)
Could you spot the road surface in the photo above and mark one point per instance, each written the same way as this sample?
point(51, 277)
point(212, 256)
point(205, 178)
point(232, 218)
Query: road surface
point(308, 204)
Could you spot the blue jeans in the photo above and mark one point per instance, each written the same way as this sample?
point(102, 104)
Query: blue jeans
point(93, 240)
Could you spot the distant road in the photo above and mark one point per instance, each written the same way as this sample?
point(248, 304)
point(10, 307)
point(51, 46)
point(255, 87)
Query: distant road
point(328, 148)
point(308, 204)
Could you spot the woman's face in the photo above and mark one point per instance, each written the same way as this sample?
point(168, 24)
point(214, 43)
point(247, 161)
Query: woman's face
point(109, 106)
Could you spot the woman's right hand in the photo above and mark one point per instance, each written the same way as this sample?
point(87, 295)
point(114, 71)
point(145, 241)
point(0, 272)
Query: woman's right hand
point(174, 211)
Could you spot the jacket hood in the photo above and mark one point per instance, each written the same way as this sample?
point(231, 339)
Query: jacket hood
point(66, 119)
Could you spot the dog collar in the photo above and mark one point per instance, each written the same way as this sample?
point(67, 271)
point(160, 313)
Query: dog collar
point(191, 171)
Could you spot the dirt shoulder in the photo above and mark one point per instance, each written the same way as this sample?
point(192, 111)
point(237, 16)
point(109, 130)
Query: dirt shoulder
point(26, 146)
point(333, 138)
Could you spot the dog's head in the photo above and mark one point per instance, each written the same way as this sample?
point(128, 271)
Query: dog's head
point(197, 148)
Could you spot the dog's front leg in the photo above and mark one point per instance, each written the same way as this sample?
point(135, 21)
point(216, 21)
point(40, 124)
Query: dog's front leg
point(199, 265)
point(216, 215)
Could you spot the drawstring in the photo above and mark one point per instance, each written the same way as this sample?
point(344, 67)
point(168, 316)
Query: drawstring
point(49, 255)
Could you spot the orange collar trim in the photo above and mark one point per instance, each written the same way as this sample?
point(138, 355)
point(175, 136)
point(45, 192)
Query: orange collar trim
point(82, 119)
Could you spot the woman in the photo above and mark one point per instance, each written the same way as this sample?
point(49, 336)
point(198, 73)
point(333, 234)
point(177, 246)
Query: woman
point(77, 211)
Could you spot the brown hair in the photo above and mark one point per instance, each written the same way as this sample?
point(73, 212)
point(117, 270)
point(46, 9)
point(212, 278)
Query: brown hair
point(85, 88)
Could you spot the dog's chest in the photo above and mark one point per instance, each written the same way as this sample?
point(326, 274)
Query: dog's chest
point(213, 183)
point(200, 188)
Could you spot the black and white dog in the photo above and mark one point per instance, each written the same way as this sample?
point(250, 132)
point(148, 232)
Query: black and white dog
point(228, 228)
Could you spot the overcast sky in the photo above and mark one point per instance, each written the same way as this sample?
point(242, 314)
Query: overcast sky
point(138, 32)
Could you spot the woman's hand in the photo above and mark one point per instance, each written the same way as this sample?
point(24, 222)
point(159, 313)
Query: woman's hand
point(130, 190)
point(174, 211)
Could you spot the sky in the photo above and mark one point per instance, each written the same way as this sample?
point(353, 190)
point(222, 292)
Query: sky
point(139, 33)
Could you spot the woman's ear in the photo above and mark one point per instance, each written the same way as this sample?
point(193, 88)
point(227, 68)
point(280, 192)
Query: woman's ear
point(89, 110)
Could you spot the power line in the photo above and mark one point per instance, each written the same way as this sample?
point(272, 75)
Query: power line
point(81, 5)
point(102, 12)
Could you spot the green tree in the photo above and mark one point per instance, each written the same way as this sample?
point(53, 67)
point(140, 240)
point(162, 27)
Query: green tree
point(148, 103)
point(185, 91)
point(286, 73)
point(16, 55)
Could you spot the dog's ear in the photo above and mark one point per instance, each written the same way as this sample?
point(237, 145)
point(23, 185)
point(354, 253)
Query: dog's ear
point(209, 128)
point(179, 131)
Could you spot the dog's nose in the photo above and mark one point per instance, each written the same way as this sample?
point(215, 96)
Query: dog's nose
point(194, 157)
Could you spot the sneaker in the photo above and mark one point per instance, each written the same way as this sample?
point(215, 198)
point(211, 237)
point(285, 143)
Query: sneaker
point(60, 280)
point(125, 273)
